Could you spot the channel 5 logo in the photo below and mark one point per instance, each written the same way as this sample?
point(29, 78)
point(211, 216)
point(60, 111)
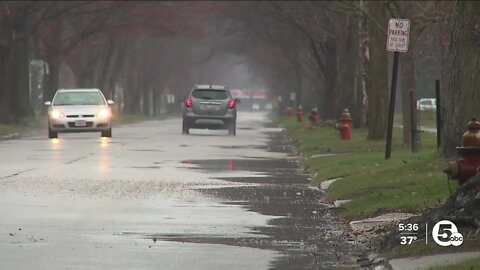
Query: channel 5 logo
point(445, 234)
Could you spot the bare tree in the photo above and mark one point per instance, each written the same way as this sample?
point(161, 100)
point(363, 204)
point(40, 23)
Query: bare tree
point(462, 95)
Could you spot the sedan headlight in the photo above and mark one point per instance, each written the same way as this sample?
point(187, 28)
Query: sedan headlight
point(104, 113)
point(56, 114)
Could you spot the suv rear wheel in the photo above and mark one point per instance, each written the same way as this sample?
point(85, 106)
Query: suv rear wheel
point(185, 128)
point(232, 129)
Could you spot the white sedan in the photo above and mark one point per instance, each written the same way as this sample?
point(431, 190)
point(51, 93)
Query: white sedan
point(79, 110)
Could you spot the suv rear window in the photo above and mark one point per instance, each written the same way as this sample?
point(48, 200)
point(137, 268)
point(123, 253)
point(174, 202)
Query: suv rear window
point(209, 94)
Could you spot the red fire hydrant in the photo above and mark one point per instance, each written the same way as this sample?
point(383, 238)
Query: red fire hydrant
point(300, 114)
point(289, 112)
point(314, 116)
point(344, 125)
point(468, 166)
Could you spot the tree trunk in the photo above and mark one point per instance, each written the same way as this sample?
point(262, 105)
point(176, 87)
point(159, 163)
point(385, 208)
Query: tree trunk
point(146, 96)
point(106, 69)
point(463, 95)
point(87, 70)
point(52, 79)
point(6, 76)
point(14, 67)
point(408, 84)
point(298, 82)
point(21, 90)
point(5, 69)
point(347, 58)
point(21, 66)
point(155, 100)
point(330, 91)
point(377, 85)
point(321, 69)
point(132, 96)
point(52, 57)
point(361, 81)
point(117, 64)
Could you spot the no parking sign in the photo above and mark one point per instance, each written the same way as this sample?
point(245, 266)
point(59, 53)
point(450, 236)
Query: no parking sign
point(398, 35)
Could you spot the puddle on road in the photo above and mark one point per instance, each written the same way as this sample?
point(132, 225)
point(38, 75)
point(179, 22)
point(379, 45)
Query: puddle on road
point(269, 148)
point(302, 234)
point(278, 171)
point(265, 165)
point(306, 233)
point(146, 150)
point(145, 167)
point(242, 146)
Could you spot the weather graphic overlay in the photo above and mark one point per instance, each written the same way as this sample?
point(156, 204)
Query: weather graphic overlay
point(409, 233)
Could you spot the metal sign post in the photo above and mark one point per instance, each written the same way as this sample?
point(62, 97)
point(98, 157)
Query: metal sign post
point(413, 130)
point(397, 41)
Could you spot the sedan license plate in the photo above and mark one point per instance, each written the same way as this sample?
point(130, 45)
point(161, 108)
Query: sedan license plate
point(210, 107)
point(80, 123)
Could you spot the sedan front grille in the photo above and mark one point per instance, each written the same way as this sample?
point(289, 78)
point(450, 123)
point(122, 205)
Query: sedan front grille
point(80, 116)
point(72, 125)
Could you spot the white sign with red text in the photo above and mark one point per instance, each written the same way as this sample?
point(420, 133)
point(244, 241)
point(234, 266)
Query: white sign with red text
point(398, 35)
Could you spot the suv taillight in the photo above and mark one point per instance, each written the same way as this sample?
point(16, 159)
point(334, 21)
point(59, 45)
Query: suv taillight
point(188, 103)
point(231, 104)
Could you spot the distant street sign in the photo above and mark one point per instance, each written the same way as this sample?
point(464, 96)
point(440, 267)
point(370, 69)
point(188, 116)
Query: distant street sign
point(292, 96)
point(398, 35)
point(170, 99)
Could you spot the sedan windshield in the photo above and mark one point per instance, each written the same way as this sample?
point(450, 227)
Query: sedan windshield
point(209, 94)
point(78, 98)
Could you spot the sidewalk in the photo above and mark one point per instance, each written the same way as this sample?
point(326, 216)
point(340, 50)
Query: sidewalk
point(431, 261)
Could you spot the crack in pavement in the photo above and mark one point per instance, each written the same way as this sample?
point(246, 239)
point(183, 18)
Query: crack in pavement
point(17, 173)
point(78, 159)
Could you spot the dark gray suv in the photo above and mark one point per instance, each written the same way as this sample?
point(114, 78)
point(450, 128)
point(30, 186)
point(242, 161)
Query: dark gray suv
point(210, 107)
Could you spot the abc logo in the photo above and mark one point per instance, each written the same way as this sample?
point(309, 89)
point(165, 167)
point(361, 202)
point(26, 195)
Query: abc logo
point(445, 234)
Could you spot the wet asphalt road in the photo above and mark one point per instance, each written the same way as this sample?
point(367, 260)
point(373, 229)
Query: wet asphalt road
point(150, 198)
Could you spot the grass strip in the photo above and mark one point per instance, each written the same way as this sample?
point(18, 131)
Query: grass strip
point(407, 182)
point(6, 130)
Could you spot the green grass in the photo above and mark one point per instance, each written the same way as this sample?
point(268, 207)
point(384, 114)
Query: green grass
point(406, 182)
point(427, 119)
point(11, 129)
